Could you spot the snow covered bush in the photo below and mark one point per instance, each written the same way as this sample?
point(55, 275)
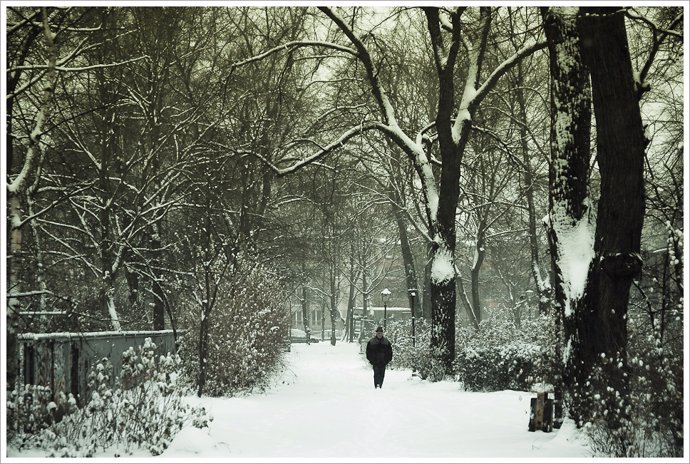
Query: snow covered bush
point(422, 358)
point(34, 409)
point(247, 330)
point(654, 424)
point(501, 356)
point(144, 408)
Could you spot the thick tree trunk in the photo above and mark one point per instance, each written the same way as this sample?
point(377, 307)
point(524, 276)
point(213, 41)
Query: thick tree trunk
point(620, 152)
point(568, 174)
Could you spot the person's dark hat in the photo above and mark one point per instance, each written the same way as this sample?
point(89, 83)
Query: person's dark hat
point(379, 329)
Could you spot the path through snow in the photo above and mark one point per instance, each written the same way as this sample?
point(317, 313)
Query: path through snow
point(326, 407)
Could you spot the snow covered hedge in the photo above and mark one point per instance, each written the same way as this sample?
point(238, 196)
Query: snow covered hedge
point(143, 408)
point(248, 330)
point(502, 356)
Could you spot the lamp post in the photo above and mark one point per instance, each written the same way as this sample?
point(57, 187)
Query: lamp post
point(413, 294)
point(385, 296)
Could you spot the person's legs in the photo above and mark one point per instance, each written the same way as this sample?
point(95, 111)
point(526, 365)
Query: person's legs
point(378, 375)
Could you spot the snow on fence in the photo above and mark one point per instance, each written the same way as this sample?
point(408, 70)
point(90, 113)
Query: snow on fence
point(63, 360)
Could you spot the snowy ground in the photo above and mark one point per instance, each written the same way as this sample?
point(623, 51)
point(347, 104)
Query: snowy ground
point(326, 407)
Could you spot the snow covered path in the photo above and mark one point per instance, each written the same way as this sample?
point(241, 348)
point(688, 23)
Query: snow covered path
point(326, 407)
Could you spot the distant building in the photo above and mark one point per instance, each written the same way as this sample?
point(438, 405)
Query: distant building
point(375, 313)
point(319, 322)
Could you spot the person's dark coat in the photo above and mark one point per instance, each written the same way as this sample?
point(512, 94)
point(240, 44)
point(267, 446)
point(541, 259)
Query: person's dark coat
point(379, 351)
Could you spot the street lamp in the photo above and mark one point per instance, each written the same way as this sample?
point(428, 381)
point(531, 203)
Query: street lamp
point(413, 294)
point(385, 296)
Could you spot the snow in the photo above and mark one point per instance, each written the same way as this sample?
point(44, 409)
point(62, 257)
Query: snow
point(430, 184)
point(575, 253)
point(104, 334)
point(442, 268)
point(325, 407)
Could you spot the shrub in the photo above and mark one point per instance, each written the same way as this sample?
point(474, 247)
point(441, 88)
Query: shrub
point(501, 356)
point(143, 408)
point(247, 333)
point(654, 423)
point(421, 358)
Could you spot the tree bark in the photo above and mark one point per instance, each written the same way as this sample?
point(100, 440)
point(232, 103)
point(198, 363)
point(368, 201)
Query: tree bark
point(568, 174)
point(620, 152)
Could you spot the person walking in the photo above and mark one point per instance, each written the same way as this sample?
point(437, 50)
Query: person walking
point(379, 354)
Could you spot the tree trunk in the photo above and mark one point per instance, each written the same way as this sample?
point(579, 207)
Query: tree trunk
point(568, 196)
point(620, 151)
point(408, 260)
point(108, 140)
point(333, 297)
point(426, 294)
point(541, 284)
point(158, 293)
point(203, 343)
point(350, 322)
point(465, 301)
point(305, 312)
point(20, 185)
point(479, 254)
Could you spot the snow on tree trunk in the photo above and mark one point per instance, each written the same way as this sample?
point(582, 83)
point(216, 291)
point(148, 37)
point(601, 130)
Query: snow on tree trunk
point(112, 310)
point(620, 214)
point(443, 297)
point(569, 224)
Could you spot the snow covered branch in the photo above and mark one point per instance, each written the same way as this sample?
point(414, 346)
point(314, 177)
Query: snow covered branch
point(504, 67)
point(289, 46)
point(364, 56)
point(81, 68)
point(20, 182)
point(659, 35)
point(339, 143)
